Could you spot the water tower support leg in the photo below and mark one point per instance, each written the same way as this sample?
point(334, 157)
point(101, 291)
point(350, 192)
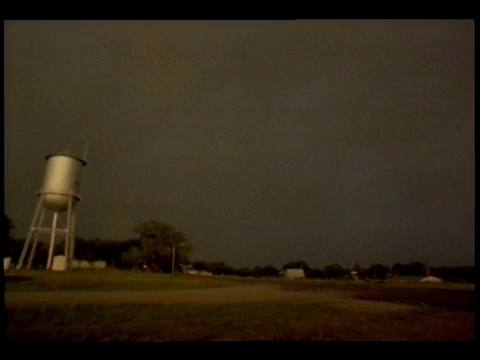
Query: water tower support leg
point(72, 236)
point(30, 232)
point(35, 241)
point(52, 240)
point(68, 260)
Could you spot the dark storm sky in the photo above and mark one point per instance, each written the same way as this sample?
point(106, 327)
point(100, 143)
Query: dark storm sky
point(263, 141)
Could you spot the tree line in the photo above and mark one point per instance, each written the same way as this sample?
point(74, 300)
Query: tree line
point(160, 247)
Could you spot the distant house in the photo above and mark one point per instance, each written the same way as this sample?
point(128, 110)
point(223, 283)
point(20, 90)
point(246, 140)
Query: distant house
point(294, 274)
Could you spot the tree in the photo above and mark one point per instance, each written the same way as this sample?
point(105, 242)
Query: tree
point(403, 269)
point(266, 271)
point(135, 257)
point(317, 274)
point(377, 271)
point(243, 272)
point(85, 250)
point(356, 267)
point(455, 273)
point(200, 265)
point(335, 271)
point(419, 268)
point(219, 268)
point(397, 269)
point(158, 243)
point(269, 271)
point(257, 271)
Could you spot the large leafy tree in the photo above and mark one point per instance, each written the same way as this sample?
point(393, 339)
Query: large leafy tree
point(335, 271)
point(266, 271)
point(377, 271)
point(158, 241)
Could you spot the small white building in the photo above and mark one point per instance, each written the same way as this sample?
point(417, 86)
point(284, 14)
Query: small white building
point(294, 274)
point(59, 263)
point(99, 264)
point(84, 264)
point(7, 263)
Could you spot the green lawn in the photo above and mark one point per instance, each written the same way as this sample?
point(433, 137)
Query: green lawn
point(313, 310)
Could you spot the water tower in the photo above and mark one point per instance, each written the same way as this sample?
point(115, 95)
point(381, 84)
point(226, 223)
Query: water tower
point(58, 195)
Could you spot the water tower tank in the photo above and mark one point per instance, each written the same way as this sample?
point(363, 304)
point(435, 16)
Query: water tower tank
point(62, 180)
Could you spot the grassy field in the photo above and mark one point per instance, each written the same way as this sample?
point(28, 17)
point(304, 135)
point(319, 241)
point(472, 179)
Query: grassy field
point(107, 280)
point(104, 306)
